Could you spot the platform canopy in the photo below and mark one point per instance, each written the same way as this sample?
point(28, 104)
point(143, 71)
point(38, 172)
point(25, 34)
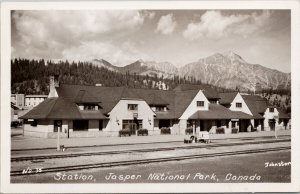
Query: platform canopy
point(217, 111)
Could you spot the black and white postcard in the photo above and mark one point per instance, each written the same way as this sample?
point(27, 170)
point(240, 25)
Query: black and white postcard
point(143, 97)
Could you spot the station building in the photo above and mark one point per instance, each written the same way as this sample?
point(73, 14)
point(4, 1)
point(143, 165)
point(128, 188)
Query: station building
point(92, 111)
point(265, 117)
point(18, 100)
point(34, 100)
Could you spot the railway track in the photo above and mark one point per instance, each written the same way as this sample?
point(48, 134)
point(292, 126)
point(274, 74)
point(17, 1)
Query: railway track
point(147, 161)
point(45, 157)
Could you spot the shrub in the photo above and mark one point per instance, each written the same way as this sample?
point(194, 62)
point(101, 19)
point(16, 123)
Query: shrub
point(220, 131)
point(124, 132)
point(165, 130)
point(189, 131)
point(142, 132)
point(234, 130)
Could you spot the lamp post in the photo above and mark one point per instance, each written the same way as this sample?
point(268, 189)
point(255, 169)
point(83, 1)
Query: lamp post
point(194, 128)
point(58, 123)
point(275, 120)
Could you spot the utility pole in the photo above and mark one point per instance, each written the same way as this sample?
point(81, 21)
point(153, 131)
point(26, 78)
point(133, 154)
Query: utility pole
point(275, 131)
point(58, 134)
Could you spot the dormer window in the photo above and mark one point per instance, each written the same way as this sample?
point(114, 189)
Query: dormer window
point(132, 107)
point(238, 105)
point(271, 109)
point(90, 107)
point(160, 108)
point(200, 103)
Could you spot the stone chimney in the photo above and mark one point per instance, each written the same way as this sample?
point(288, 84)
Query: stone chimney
point(52, 86)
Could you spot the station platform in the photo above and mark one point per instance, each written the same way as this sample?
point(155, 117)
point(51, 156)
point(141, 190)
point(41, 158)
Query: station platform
point(28, 143)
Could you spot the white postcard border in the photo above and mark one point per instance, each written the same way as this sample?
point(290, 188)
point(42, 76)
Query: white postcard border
point(6, 187)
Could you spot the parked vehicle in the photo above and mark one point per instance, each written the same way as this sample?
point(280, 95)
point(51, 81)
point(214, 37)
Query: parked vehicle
point(203, 137)
point(191, 139)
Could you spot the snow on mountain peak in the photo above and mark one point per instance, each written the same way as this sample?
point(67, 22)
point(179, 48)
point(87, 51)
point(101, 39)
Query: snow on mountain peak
point(233, 56)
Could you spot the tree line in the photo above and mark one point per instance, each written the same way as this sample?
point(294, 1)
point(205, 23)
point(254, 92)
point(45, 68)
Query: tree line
point(32, 76)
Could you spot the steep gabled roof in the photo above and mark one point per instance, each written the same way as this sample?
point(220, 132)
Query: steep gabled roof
point(217, 111)
point(154, 99)
point(256, 104)
point(183, 100)
point(209, 92)
point(176, 101)
point(59, 108)
point(42, 110)
point(127, 93)
point(13, 106)
point(107, 96)
point(227, 98)
point(84, 96)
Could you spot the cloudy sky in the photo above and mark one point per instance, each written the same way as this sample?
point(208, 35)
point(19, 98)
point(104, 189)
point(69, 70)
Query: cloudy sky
point(177, 36)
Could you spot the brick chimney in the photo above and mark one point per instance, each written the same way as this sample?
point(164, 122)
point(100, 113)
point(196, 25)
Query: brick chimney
point(52, 86)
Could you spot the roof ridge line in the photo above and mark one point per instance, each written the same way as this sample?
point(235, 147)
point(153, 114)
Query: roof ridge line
point(56, 98)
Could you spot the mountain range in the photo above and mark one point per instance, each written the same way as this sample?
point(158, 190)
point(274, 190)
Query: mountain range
point(227, 70)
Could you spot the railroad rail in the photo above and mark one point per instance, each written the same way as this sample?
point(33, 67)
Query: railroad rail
point(44, 157)
point(147, 161)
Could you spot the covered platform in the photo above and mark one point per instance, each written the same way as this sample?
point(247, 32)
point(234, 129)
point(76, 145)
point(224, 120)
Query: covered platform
point(219, 116)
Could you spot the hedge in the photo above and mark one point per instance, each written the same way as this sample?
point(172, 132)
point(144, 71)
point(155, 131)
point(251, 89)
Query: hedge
point(142, 132)
point(234, 130)
point(124, 132)
point(188, 131)
point(220, 130)
point(165, 130)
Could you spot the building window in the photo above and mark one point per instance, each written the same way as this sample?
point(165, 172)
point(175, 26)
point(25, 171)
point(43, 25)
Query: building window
point(233, 124)
point(213, 101)
point(33, 123)
point(160, 108)
point(100, 125)
point(132, 125)
point(89, 107)
point(80, 125)
point(219, 123)
point(164, 123)
point(200, 103)
point(238, 105)
point(271, 109)
point(132, 107)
